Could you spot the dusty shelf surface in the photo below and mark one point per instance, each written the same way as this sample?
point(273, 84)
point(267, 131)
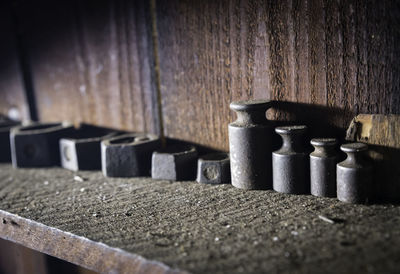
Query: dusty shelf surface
point(130, 225)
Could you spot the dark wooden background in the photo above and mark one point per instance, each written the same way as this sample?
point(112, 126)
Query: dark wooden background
point(173, 67)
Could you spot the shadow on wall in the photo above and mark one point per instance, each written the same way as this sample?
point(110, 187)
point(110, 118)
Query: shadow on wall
point(320, 120)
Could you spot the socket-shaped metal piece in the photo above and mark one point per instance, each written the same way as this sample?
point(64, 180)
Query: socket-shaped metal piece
point(37, 145)
point(175, 163)
point(250, 145)
point(82, 151)
point(354, 175)
point(290, 163)
point(214, 169)
point(5, 149)
point(323, 162)
point(128, 155)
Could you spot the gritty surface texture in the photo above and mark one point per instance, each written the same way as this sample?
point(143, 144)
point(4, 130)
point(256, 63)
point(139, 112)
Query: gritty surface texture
point(205, 228)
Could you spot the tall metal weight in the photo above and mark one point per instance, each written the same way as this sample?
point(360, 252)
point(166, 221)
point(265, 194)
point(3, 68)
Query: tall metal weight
point(354, 175)
point(323, 162)
point(290, 163)
point(250, 142)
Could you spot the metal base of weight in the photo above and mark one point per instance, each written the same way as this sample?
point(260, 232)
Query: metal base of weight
point(290, 163)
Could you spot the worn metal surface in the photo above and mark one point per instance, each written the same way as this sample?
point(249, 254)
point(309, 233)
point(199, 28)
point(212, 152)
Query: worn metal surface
point(250, 145)
point(214, 169)
point(354, 175)
point(37, 145)
point(128, 155)
point(175, 162)
point(290, 164)
point(82, 151)
point(196, 227)
point(323, 162)
point(381, 133)
point(5, 150)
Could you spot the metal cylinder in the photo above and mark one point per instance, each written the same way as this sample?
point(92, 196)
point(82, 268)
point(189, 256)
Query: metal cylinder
point(290, 164)
point(250, 145)
point(323, 162)
point(354, 175)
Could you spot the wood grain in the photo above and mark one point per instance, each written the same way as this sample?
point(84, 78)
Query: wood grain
point(92, 61)
point(101, 258)
point(12, 95)
point(381, 133)
point(335, 54)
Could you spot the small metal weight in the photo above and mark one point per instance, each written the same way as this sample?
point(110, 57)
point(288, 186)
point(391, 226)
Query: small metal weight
point(323, 162)
point(354, 175)
point(290, 164)
point(250, 142)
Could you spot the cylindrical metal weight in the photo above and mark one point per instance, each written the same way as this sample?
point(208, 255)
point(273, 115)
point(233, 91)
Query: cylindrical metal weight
point(354, 175)
point(323, 162)
point(250, 143)
point(290, 164)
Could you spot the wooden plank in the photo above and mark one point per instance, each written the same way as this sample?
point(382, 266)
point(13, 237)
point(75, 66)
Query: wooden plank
point(13, 101)
point(101, 223)
point(92, 61)
point(381, 133)
point(312, 52)
point(101, 258)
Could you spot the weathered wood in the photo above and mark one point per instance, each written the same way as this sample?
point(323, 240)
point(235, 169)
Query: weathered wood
point(92, 61)
point(101, 223)
point(72, 248)
point(335, 54)
point(382, 133)
point(12, 97)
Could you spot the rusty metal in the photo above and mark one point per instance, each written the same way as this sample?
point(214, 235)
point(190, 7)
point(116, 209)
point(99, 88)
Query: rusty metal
point(37, 145)
point(175, 162)
point(128, 155)
point(250, 145)
point(290, 163)
point(82, 151)
point(354, 175)
point(5, 150)
point(214, 169)
point(323, 162)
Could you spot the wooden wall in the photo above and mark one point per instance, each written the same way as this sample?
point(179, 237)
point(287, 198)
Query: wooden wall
point(172, 67)
point(12, 96)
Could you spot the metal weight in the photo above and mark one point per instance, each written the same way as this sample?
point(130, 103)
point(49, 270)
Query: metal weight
point(250, 145)
point(323, 162)
point(354, 175)
point(37, 145)
point(175, 162)
point(214, 169)
point(82, 151)
point(290, 163)
point(128, 155)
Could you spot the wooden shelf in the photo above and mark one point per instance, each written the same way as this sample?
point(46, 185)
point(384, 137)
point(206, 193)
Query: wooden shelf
point(142, 225)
